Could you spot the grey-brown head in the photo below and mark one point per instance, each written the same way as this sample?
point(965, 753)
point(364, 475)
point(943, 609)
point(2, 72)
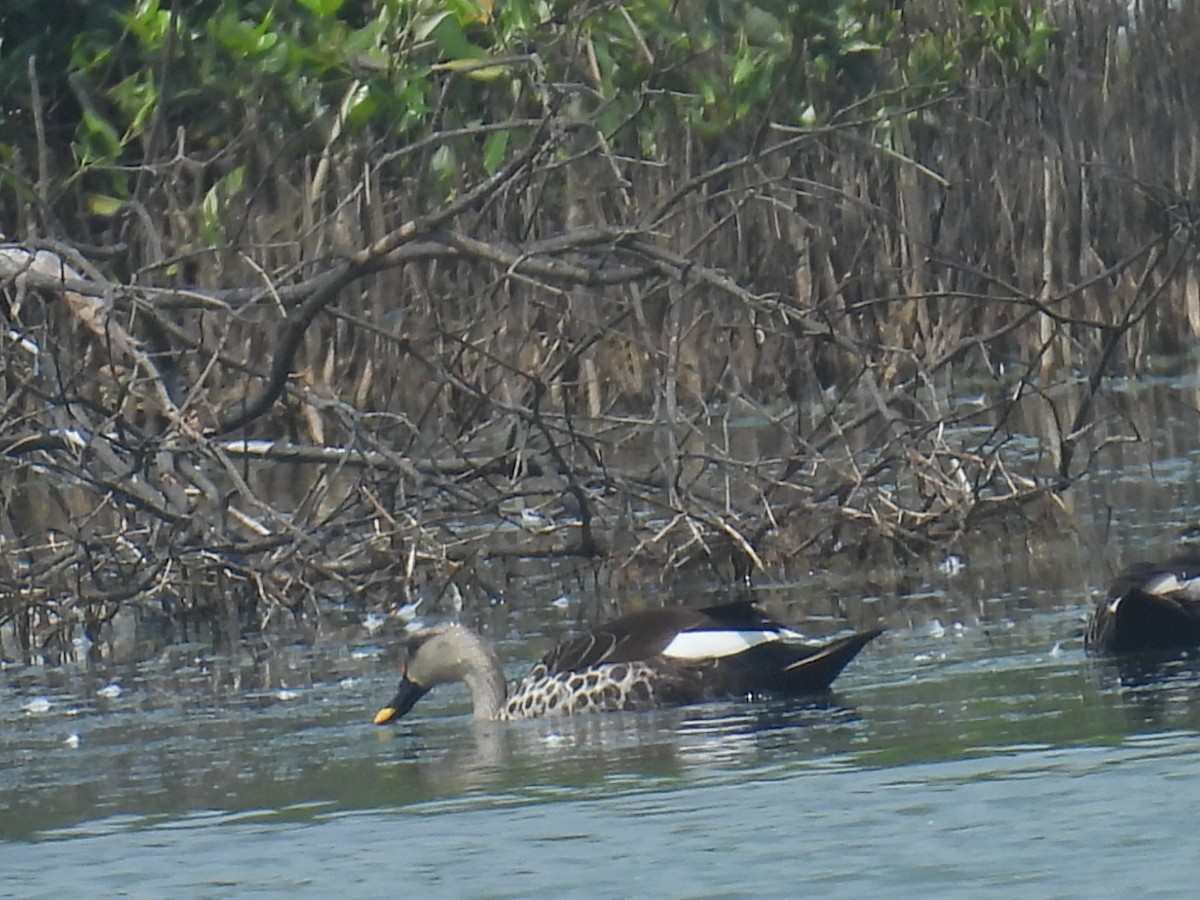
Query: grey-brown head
point(447, 653)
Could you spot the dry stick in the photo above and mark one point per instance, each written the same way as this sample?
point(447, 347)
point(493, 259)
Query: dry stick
point(587, 542)
point(514, 261)
point(1133, 314)
point(453, 467)
point(692, 515)
point(531, 260)
point(587, 545)
point(444, 245)
point(1037, 307)
point(42, 188)
point(797, 137)
point(93, 312)
point(668, 412)
point(364, 262)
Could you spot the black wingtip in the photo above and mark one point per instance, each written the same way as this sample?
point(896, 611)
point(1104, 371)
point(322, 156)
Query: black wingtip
point(817, 671)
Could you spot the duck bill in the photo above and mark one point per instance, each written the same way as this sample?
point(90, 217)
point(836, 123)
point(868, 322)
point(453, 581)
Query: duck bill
point(406, 698)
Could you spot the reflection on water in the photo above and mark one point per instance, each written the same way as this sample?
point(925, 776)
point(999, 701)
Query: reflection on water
point(1156, 691)
point(447, 756)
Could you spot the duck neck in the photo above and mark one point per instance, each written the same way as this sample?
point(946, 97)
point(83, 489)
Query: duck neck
point(485, 679)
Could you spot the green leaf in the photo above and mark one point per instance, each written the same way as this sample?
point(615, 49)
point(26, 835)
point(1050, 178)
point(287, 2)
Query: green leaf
point(103, 205)
point(234, 182)
point(210, 214)
point(363, 105)
point(745, 67)
point(426, 27)
point(449, 36)
point(216, 201)
point(101, 136)
point(137, 97)
point(494, 149)
point(473, 68)
point(444, 163)
point(322, 8)
point(149, 23)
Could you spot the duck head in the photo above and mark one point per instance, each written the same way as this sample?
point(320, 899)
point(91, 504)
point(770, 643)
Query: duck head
point(442, 654)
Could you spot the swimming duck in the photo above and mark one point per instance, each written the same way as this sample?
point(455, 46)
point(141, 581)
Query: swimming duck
point(1150, 606)
point(660, 657)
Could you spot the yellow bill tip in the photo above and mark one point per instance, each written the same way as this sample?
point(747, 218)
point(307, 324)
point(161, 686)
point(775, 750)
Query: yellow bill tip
point(385, 715)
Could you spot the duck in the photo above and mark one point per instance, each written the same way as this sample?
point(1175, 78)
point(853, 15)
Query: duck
point(1150, 606)
point(648, 659)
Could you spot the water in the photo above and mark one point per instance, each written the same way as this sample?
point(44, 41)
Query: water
point(973, 748)
point(994, 756)
point(1013, 824)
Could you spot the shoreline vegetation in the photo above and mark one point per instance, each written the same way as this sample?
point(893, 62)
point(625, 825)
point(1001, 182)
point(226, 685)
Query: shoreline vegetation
point(384, 302)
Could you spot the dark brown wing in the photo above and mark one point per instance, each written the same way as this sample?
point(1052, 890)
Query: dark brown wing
point(637, 636)
point(644, 635)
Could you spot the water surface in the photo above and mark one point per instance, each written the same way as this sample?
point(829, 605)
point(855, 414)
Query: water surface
point(997, 756)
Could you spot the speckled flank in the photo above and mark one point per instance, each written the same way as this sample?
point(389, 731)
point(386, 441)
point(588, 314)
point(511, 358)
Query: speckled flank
point(593, 689)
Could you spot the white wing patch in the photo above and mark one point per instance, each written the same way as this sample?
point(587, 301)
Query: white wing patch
point(713, 644)
point(1163, 584)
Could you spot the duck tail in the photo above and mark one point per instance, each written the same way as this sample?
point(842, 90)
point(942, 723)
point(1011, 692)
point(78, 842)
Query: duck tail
point(816, 671)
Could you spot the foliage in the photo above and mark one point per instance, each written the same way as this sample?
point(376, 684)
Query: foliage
point(1019, 38)
point(124, 80)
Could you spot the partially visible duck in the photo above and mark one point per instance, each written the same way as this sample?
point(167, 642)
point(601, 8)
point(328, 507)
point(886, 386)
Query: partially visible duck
point(1150, 606)
point(660, 657)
